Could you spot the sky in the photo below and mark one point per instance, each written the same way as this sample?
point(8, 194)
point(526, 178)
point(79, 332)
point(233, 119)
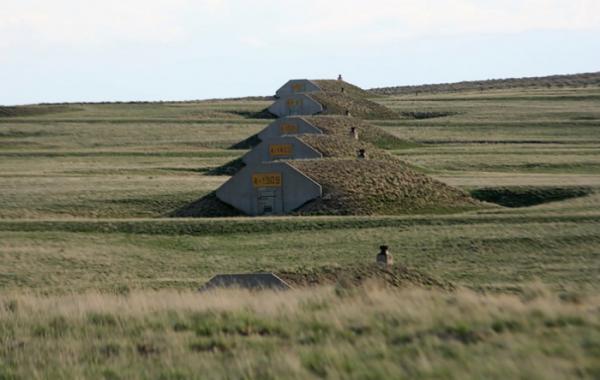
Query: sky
point(130, 50)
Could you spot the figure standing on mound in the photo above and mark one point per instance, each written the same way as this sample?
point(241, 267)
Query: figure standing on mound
point(384, 257)
point(340, 77)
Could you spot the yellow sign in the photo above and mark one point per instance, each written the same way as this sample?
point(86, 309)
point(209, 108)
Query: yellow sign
point(294, 103)
point(281, 150)
point(298, 87)
point(266, 180)
point(288, 129)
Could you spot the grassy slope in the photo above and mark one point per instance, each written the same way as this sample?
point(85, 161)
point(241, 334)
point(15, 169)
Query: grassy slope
point(62, 174)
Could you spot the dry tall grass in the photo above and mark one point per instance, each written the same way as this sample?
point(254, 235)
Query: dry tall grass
point(368, 332)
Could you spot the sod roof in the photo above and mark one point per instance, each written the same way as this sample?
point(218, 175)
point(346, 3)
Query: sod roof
point(353, 275)
point(343, 147)
point(374, 187)
point(341, 125)
point(337, 103)
point(332, 85)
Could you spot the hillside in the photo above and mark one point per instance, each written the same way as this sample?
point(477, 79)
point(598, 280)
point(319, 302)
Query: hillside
point(560, 81)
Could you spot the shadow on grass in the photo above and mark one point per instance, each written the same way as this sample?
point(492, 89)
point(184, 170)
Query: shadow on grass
point(523, 196)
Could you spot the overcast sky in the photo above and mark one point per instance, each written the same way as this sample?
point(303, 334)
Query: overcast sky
point(78, 50)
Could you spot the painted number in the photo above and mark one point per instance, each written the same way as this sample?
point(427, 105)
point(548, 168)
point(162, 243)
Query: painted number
point(266, 180)
point(294, 103)
point(288, 129)
point(298, 87)
point(281, 150)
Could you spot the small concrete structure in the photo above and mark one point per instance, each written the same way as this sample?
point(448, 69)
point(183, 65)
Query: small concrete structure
point(252, 281)
point(274, 188)
point(292, 125)
point(296, 86)
point(297, 104)
point(280, 148)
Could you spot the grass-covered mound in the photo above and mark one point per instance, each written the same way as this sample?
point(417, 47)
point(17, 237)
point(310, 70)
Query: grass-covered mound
point(338, 103)
point(397, 276)
point(332, 85)
point(341, 125)
point(337, 147)
point(371, 187)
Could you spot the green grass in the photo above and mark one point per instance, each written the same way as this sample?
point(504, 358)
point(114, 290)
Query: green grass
point(97, 282)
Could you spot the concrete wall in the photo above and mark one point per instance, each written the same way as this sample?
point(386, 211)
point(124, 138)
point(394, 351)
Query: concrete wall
point(268, 189)
point(280, 148)
point(296, 86)
point(292, 125)
point(299, 104)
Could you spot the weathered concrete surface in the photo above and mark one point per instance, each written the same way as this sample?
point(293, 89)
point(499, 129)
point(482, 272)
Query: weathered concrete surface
point(292, 125)
point(280, 148)
point(274, 188)
point(296, 86)
point(253, 281)
point(298, 104)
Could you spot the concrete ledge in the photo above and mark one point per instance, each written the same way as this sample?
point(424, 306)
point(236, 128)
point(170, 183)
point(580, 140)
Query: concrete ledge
point(252, 281)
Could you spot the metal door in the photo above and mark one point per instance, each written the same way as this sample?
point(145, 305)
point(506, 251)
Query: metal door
point(267, 202)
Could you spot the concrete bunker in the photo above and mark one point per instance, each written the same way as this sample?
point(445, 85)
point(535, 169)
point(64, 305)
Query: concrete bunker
point(299, 86)
point(297, 104)
point(296, 86)
point(292, 125)
point(275, 188)
point(280, 148)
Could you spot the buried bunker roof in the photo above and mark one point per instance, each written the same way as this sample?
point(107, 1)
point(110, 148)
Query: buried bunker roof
point(338, 103)
point(297, 86)
point(329, 125)
point(374, 187)
point(342, 125)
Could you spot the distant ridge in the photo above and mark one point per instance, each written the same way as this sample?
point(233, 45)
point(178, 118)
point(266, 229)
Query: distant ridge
point(570, 80)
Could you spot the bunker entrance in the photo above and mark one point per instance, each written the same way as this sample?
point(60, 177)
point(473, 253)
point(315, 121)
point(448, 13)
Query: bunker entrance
point(269, 203)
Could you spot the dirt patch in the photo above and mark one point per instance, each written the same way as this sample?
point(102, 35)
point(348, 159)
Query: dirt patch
point(229, 168)
point(338, 103)
point(371, 187)
point(357, 275)
point(427, 114)
point(247, 143)
point(208, 206)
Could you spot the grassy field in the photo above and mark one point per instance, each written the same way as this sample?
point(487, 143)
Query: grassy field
point(97, 282)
